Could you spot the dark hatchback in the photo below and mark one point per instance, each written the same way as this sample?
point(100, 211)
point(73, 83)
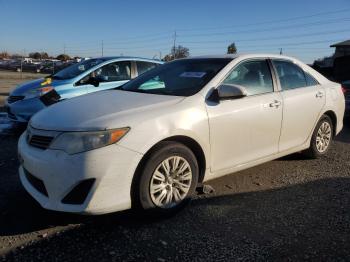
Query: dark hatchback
point(346, 88)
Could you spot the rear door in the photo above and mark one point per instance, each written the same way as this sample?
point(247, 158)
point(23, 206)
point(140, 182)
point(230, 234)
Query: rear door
point(303, 100)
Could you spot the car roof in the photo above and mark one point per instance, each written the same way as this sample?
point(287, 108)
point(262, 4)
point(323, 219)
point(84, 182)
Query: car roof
point(241, 55)
point(108, 58)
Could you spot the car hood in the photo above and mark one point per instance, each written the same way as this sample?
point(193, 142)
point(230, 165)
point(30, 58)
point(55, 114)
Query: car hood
point(22, 89)
point(100, 111)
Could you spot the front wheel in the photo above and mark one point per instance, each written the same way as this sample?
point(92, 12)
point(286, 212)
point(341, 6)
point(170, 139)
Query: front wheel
point(168, 180)
point(321, 138)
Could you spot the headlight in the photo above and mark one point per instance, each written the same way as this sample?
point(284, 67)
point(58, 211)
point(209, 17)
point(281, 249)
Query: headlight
point(38, 92)
point(76, 142)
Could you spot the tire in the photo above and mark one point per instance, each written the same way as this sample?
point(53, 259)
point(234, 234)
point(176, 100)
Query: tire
point(176, 155)
point(315, 151)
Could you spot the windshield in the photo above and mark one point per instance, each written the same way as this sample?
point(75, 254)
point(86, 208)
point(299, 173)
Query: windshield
point(179, 78)
point(77, 69)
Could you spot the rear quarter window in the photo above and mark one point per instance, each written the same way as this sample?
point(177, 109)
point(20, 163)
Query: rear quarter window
point(290, 75)
point(310, 80)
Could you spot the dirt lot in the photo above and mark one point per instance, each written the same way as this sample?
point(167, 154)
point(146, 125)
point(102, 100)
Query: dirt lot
point(288, 209)
point(9, 80)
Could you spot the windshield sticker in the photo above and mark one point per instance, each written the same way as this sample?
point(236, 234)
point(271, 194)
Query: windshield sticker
point(193, 74)
point(47, 81)
point(81, 68)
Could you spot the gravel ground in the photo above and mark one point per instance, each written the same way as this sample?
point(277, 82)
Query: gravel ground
point(288, 209)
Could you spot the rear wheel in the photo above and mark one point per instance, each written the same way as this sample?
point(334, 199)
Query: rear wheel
point(321, 138)
point(168, 180)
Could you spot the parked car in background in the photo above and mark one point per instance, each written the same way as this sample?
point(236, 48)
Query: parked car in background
point(35, 66)
point(346, 89)
point(150, 142)
point(78, 79)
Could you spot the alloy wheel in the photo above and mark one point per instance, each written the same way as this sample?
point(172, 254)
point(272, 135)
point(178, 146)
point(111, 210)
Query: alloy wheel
point(170, 182)
point(323, 137)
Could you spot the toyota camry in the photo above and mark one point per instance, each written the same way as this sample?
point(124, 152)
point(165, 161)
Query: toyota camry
point(149, 143)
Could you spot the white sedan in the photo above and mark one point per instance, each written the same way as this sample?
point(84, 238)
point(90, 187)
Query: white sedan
point(149, 143)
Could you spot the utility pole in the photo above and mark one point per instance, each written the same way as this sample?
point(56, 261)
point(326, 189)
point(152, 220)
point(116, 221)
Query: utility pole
point(102, 47)
point(281, 51)
point(64, 49)
point(23, 54)
point(160, 55)
point(174, 51)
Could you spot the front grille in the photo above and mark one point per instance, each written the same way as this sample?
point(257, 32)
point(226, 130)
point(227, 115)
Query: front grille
point(13, 99)
point(37, 183)
point(41, 142)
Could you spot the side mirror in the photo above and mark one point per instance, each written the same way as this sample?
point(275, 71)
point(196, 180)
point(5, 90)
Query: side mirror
point(101, 78)
point(227, 91)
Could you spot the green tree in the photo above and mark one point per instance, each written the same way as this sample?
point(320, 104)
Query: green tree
point(177, 52)
point(44, 55)
point(16, 56)
point(231, 49)
point(63, 57)
point(4, 55)
point(35, 55)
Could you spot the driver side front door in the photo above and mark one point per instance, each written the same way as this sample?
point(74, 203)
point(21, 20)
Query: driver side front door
point(246, 129)
point(111, 75)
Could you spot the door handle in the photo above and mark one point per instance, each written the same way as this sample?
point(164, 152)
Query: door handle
point(319, 94)
point(275, 103)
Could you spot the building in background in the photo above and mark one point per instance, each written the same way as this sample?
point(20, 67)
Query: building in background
point(337, 66)
point(341, 49)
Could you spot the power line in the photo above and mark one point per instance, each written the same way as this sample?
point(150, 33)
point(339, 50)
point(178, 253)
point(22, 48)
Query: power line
point(271, 28)
point(271, 38)
point(271, 21)
point(134, 45)
point(133, 41)
point(149, 37)
point(174, 46)
point(277, 45)
point(241, 40)
point(166, 44)
point(107, 45)
point(164, 35)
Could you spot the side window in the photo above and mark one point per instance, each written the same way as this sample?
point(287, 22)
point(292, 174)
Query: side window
point(255, 76)
point(117, 71)
point(290, 75)
point(310, 80)
point(144, 66)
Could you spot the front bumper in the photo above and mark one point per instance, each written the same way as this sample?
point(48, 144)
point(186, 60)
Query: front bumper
point(112, 167)
point(23, 110)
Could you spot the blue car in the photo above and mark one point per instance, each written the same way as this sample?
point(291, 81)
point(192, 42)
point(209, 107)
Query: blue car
point(88, 76)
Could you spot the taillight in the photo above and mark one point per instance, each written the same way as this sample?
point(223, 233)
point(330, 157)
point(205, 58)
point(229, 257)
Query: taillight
point(343, 89)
